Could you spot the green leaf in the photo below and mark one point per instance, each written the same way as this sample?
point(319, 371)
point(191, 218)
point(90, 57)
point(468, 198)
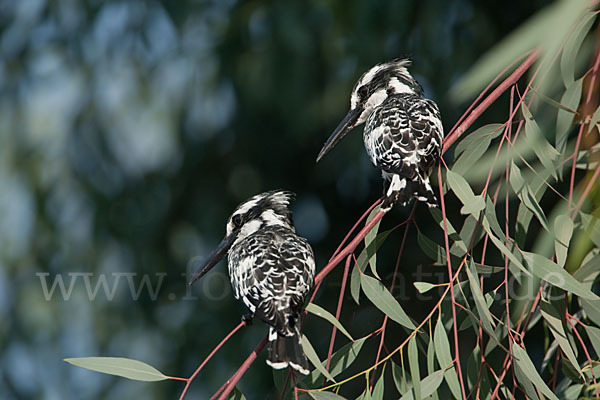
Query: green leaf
point(592, 310)
point(494, 164)
point(379, 388)
point(564, 120)
point(125, 367)
point(383, 299)
point(428, 386)
point(474, 364)
point(546, 30)
point(312, 356)
point(552, 273)
point(430, 355)
point(536, 140)
point(572, 46)
point(491, 220)
point(595, 117)
point(324, 395)
point(523, 361)
point(590, 268)
point(594, 335)
point(369, 238)
point(369, 254)
point(355, 284)
point(471, 231)
point(488, 269)
point(326, 315)
point(445, 359)
point(431, 249)
point(474, 321)
point(431, 366)
point(554, 321)
point(436, 213)
point(424, 287)
point(413, 363)
point(340, 360)
point(471, 204)
point(503, 249)
point(591, 225)
point(236, 395)
point(473, 146)
point(526, 195)
point(469, 140)
point(482, 308)
point(526, 383)
point(563, 230)
point(571, 392)
point(399, 376)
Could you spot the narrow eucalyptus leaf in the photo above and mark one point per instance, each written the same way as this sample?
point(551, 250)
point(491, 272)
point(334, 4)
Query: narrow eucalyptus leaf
point(312, 356)
point(326, 315)
point(413, 362)
point(125, 367)
point(523, 361)
point(445, 359)
point(383, 299)
point(564, 120)
point(563, 230)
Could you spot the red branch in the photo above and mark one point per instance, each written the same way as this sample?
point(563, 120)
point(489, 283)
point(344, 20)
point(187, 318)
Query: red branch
point(231, 382)
point(350, 247)
point(212, 353)
point(485, 104)
point(338, 311)
point(454, 320)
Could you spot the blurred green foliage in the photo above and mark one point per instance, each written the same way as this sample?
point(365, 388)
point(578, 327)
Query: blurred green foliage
point(130, 129)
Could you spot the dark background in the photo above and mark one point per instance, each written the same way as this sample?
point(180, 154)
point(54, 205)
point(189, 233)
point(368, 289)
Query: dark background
point(129, 130)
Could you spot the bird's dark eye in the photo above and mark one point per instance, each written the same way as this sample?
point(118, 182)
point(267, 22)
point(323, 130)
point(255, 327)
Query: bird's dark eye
point(363, 91)
point(237, 220)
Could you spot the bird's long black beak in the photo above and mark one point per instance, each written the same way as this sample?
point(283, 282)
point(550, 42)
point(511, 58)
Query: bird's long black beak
point(342, 129)
point(214, 258)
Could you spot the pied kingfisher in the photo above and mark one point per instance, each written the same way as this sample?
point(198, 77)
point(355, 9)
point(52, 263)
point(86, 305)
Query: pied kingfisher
point(403, 132)
point(271, 270)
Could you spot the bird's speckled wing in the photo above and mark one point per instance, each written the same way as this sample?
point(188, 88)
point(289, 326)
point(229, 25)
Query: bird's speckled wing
point(404, 135)
point(272, 272)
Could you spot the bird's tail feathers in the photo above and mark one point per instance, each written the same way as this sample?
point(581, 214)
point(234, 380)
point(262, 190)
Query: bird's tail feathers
point(402, 190)
point(284, 351)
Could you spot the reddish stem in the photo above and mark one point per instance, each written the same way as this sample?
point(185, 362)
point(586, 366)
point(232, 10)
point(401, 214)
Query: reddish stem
point(485, 104)
point(449, 263)
point(350, 247)
point(365, 214)
point(587, 354)
point(385, 319)
point(484, 91)
point(231, 382)
point(338, 311)
point(336, 255)
point(212, 353)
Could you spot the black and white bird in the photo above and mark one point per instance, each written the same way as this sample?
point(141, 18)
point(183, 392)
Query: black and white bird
point(403, 132)
point(271, 271)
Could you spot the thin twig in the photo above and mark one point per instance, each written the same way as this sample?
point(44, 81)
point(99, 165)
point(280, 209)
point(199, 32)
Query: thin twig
point(338, 311)
point(350, 247)
point(485, 104)
point(231, 382)
point(212, 353)
point(449, 263)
